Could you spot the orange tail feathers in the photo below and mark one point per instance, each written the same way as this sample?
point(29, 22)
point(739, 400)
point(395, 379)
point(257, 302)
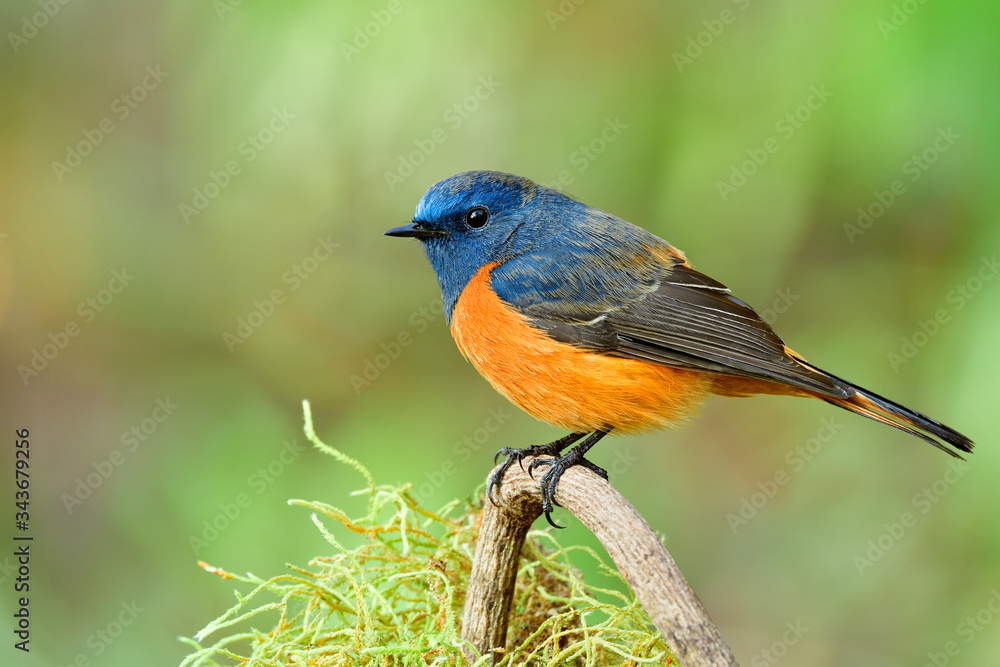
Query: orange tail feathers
point(873, 406)
point(869, 404)
point(859, 401)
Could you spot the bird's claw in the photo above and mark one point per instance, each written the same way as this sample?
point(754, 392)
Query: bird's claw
point(513, 454)
point(537, 463)
point(549, 481)
point(548, 517)
point(557, 465)
point(496, 478)
point(548, 488)
point(506, 451)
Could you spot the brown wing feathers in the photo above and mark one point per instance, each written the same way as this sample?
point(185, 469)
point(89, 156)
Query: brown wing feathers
point(695, 316)
point(691, 321)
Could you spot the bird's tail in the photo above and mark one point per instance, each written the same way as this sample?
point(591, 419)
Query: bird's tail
point(873, 406)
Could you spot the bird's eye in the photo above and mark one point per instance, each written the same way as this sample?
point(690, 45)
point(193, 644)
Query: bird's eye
point(477, 217)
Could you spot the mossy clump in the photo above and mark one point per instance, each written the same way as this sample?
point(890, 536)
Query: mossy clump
point(397, 598)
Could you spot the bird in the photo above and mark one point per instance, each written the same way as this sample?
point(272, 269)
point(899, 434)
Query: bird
point(595, 325)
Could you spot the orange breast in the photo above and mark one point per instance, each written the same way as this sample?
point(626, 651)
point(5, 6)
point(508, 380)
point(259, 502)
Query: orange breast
point(572, 388)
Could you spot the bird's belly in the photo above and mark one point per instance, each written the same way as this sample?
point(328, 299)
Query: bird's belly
point(570, 387)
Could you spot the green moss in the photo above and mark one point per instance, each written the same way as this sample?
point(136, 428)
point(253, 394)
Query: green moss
point(397, 599)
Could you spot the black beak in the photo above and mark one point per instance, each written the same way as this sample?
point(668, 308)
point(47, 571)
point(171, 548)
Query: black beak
point(415, 229)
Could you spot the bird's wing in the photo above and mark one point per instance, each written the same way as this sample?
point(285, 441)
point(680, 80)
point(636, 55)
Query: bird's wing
point(675, 316)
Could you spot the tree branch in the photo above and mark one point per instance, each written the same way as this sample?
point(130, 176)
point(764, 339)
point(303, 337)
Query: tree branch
point(639, 555)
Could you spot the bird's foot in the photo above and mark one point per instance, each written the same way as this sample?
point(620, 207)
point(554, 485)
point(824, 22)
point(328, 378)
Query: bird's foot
point(557, 466)
point(553, 449)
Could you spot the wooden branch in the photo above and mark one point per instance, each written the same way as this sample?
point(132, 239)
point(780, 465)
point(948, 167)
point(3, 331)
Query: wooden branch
point(639, 555)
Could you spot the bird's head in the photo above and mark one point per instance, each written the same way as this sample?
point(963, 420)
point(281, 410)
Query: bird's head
point(477, 218)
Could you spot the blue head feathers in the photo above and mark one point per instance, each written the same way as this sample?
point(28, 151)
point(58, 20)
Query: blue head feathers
point(477, 218)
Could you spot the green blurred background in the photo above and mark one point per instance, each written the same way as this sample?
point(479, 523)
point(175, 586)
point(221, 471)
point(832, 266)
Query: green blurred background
point(277, 124)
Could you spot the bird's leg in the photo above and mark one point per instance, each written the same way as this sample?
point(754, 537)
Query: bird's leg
point(553, 449)
point(559, 465)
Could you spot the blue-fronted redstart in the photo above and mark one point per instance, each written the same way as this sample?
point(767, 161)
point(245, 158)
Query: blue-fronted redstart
point(595, 325)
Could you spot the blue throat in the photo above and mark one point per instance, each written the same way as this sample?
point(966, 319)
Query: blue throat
point(452, 276)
